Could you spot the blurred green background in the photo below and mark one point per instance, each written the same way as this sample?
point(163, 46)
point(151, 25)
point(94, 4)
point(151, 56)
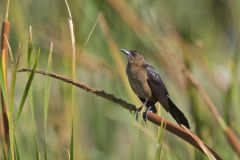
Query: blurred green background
point(200, 33)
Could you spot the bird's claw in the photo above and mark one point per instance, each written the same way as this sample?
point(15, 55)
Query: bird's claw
point(146, 113)
point(137, 111)
point(145, 116)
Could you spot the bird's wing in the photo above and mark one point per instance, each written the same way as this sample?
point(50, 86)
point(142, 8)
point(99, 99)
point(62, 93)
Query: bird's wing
point(160, 93)
point(158, 89)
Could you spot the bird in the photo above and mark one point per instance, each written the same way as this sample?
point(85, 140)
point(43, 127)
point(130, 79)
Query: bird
point(147, 84)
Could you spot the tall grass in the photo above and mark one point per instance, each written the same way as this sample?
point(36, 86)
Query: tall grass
point(58, 118)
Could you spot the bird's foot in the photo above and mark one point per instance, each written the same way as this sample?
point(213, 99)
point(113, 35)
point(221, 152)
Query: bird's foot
point(145, 117)
point(137, 111)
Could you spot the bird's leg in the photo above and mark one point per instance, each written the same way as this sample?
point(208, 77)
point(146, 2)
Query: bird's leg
point(149, 109)
point(140, 108)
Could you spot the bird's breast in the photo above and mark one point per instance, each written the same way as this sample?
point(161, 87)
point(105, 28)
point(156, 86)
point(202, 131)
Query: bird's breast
point(137, 77)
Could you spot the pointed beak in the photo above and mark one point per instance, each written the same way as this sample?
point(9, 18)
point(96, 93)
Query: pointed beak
point(125, 52)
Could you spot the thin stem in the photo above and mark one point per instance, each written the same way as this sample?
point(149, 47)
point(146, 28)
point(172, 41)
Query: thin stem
point(152, 117)
point(7, 11)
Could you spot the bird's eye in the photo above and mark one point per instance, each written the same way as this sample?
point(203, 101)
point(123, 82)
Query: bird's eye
point(133, 54)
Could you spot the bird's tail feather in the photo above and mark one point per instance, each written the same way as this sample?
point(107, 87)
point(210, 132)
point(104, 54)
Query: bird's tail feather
point(178, 114)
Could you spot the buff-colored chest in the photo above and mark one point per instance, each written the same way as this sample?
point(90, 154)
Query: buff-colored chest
point(137, 77)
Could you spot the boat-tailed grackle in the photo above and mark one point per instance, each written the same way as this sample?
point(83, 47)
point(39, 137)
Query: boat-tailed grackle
point(147, 84)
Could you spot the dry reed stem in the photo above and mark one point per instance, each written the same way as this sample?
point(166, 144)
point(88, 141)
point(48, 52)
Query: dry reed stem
point(4, 54)
point(154, 118)
point(229, 133)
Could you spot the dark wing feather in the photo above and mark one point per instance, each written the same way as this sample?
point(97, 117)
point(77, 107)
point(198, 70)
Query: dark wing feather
point(159, 91)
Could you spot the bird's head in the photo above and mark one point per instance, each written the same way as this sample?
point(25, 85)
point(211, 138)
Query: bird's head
point(133, 57)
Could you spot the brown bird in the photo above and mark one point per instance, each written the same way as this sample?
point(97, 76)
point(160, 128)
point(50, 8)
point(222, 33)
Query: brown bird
point(147, 84)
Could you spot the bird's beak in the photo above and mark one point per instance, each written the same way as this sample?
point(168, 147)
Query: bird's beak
point(125, 52)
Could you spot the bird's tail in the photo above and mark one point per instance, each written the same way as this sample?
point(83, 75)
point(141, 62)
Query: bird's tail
point(178, 114)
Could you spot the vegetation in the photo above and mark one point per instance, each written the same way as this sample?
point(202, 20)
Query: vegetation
point(193, 44)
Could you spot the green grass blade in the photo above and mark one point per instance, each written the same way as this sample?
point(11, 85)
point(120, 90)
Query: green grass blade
point(73, 74)
point(232, 94)
point(26, 90)
point(13, 82)
point(37, 156)
point(11, 102)
point(34, 124)
point(29, 58)
point(46, 98)
point(161, 132)
point(45, 148)
point(30, 47)
point(9, 156)
point(16, 149)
